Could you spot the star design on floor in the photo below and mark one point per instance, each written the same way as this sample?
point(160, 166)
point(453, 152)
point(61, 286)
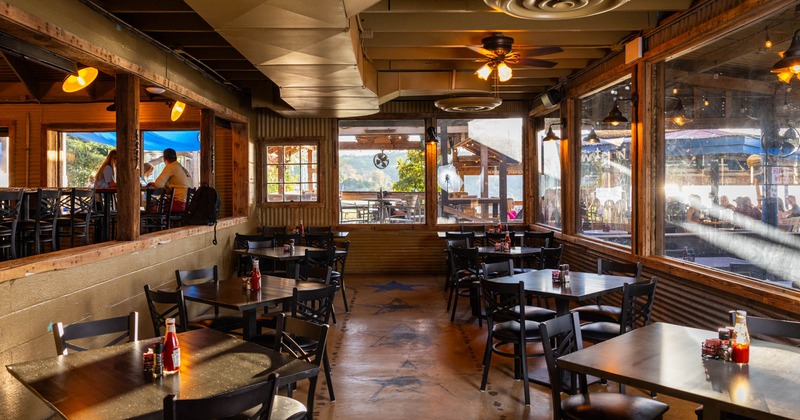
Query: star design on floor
point(411, 382)
point(403, 335)
point(395, 305)
point(393, 285)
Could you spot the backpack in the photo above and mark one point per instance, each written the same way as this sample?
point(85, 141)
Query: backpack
point(204, 209)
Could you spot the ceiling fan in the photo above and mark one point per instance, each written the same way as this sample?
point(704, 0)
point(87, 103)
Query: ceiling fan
point(498, 51)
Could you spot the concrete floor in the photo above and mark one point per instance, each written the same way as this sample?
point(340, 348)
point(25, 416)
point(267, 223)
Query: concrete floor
point(396, 355)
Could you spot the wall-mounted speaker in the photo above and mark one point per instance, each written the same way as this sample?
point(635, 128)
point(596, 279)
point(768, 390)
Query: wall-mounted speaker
point(551, 98)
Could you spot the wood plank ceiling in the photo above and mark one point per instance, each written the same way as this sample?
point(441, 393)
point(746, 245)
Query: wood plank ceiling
point(339, 58)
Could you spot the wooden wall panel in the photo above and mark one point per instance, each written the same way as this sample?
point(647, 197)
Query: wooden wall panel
point(401, 252)
point(224, 167)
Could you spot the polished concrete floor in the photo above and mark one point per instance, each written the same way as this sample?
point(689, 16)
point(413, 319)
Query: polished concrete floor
point(396, 355)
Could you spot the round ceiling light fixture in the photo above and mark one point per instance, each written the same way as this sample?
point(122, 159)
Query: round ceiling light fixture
point(468, 104)
point(155, 90)
point(554, 9)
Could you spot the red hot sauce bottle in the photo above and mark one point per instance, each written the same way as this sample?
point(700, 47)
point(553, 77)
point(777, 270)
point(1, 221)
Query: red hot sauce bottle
point(172, 350)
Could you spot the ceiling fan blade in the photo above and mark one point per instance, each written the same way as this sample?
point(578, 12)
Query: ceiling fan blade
point(481, 50)
point(537, 51)
point(535, 62)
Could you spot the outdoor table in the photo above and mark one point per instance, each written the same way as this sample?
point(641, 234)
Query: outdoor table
point(665, 358)
point(230, 294)
point(109, 382)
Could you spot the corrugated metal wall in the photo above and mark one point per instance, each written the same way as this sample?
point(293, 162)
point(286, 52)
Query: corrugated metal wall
point(223, 162)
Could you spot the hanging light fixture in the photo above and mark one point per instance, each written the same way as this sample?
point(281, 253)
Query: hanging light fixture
point(678, 114)
point(485, 70)
point(552, 136)
point(615, 116)
point(177, 110)
point(76, 82)
point(503, 72)
point(430, 135)
point(592, 137)
point(790, 61)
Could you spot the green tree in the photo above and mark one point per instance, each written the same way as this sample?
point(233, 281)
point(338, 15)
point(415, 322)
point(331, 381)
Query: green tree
point(83, 159)
point(411, 171)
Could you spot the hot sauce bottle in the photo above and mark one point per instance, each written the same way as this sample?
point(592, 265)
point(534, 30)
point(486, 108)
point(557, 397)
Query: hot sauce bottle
point(255, 279)
point(172, 350)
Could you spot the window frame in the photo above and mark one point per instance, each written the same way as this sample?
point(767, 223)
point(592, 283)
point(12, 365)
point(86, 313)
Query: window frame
point(261, 169)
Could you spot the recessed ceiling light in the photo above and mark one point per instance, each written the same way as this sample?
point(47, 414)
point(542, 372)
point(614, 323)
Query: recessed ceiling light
point(155, 90)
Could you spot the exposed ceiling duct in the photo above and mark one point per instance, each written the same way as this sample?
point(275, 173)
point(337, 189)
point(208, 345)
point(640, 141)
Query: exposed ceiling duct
point(310, 50)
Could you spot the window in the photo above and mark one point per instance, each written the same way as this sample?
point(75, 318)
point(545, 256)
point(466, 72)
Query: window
point(605, 172)
point(549, 173)
point(82, 153)
point(480, 175)
point(4, 168)
point(731, 161)
point(291, 171)
point(382, 171)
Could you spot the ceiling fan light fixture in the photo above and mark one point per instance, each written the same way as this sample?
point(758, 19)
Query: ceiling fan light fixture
point(554, 9)
point(484, 72)
point(790, 61)
point(76, 82)
point(177, 110)
point(504, 72)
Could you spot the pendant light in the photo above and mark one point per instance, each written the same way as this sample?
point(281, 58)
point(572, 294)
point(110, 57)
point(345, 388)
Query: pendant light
point(76, 82)
point(177, 110)
point(615, 116)
point(790, 63)
point(592, 137)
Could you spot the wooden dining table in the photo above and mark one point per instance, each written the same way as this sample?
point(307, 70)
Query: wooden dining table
point(665, 358)
point(230, 294)
point(581, 286)
point(110, 383)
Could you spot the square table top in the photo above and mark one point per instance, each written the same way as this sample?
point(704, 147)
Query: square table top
point(581, 285)
point(109, 382)
point(230, 294)
point(515, 251)
point(666, 358)
point(278, 253)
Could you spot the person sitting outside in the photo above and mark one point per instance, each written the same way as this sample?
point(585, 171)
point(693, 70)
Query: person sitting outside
point(792, 209)
point(105, 177)
point(174, 176)
point(694, 212)
point(745, 206)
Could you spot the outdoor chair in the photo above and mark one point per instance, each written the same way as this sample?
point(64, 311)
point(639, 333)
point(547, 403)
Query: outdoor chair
point(43, 225)
point(10, 207)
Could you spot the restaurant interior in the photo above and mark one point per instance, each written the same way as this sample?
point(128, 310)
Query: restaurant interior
point(660, 134)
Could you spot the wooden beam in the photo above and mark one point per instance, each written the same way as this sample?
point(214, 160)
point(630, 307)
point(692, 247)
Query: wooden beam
point(128, 194)
point(207, 148)
point(241, 170)
point(26, 75)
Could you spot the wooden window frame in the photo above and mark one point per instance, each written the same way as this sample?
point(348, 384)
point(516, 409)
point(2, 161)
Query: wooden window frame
point(261, 168)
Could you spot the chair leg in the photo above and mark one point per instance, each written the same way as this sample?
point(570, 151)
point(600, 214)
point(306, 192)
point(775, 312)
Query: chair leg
point(327, 365)
point(523, 356)
point(312, 389)
point(344, 295)
point(450, 297)
point(487, 357)
point(455, 303)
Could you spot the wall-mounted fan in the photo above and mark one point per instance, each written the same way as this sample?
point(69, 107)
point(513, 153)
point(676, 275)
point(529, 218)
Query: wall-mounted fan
point(498, 51)
point(380, 160)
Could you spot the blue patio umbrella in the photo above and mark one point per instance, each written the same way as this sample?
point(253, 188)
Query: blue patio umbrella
point(181, 141)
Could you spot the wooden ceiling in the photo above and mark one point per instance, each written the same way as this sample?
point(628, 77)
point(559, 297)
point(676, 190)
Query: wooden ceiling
point(404, 49)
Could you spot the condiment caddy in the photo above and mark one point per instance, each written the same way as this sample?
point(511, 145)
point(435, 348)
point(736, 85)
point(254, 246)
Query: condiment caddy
point(732, 343)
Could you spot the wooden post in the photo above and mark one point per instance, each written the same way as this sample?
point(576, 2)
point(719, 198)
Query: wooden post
point(241, 170)
point(128, 193)
point(208, 157)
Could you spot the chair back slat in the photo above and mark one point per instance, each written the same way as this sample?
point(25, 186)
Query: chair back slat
point(468, 236)
point(319, 240)
point(124, 328)
point(551, 257)
point(314, 305)
point(498, 269)
point(637, 304)
point(769, 326)
point(616, 268)
point(165, 304)
point(561, 336)
point(226, 405)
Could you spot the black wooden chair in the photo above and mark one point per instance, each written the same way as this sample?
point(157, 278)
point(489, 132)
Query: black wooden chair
point(177, 218)
point(123, 328)
point(507, 327)
point(337, 275)
point(598, 311)
point(319, 240)
point(76, 222)
point(561, 336)
point(464, 269)
point(313, 305)
point(199, 312)
point(240, 241)
point(550, 258)
point(637, 305)
point(536, 240)
point(469, 236)
point(154, 217)
point(304, 340)
point(10, 206)
point(282, 239)
point(43, 225)
point(319, 229)
point(165, 304)
point(270, 231)
point(257, 401)
point(506, 268)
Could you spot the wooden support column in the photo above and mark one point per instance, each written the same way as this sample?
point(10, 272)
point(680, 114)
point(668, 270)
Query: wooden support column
point(241, 170)
point(128, 194)
point(208, 157)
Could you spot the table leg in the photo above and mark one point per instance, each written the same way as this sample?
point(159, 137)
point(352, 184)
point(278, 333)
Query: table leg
point(250, 327)
point(562, 306)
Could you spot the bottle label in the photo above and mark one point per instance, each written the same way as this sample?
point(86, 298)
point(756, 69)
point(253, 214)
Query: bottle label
point(176, 359)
